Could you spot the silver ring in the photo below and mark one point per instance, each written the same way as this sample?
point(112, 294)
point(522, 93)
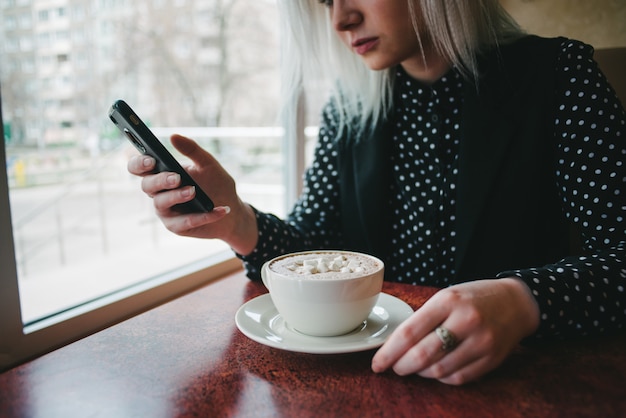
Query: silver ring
point(448, 339)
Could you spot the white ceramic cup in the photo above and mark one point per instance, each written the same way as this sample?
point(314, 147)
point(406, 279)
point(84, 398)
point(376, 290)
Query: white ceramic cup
point(327, 304)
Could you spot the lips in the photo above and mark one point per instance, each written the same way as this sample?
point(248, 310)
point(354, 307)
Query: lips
point(363, 45)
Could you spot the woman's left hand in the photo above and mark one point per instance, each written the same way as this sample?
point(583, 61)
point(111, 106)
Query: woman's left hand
point(488, 318)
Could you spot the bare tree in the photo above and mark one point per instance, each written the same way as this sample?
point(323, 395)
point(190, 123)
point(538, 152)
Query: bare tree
point(200, 63)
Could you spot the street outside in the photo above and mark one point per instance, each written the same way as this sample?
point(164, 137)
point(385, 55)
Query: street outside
point(99, 234)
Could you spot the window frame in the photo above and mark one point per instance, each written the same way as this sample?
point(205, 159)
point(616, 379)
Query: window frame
point(21, 343)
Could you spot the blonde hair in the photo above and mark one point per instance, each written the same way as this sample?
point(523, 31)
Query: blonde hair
point(459, 30)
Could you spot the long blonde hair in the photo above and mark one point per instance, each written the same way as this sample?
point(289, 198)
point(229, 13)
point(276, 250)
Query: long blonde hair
point(459, 30)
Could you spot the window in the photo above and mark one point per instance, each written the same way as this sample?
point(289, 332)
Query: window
point(81, 246)
point(25, 20)
point(10, 22)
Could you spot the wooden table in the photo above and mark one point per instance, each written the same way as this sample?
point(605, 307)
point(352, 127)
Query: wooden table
point(187, 358)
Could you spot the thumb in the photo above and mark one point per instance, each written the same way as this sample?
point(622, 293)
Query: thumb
point(191, 149)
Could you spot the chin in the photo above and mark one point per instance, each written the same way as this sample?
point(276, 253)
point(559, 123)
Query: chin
point(377, 65)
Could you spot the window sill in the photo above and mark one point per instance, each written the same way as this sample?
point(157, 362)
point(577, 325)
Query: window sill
point(73, 324)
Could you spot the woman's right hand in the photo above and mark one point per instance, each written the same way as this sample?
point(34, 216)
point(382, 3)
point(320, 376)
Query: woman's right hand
point(232, 220)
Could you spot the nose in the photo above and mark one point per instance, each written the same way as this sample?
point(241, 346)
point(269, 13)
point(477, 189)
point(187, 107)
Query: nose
point(345, 15)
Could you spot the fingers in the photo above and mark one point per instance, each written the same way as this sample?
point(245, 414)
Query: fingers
point(410, 333)
point(154, 184)
point(447, 362)
point(462, 364)
point(141, 165)
point(420, 356)
point(189, 224)
point(485, 318)
point(459, 375)
point(428, 357)
point(165, 201)
point(166, 190)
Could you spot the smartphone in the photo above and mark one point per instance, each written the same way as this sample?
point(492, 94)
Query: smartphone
point(147, 143)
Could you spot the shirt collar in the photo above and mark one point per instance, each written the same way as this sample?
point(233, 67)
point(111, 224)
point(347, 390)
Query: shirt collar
point(410, 92)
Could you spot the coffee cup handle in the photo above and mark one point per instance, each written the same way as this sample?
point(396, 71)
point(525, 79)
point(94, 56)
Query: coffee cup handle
point(264, 273)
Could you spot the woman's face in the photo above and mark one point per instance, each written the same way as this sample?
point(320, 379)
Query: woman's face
point(380, 32)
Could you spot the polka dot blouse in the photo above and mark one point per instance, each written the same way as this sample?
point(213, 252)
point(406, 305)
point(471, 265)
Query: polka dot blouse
point(576, 295)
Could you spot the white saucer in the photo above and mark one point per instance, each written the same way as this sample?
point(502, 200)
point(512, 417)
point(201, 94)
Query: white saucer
point(259, 320)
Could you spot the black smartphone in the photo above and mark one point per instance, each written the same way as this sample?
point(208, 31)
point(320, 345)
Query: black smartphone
point(147, 143)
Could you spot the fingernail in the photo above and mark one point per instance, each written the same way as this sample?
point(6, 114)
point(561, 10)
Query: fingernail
point(148, 162)
point(376, 367)
point(173, 179)
point(226, 209)
point(188, 191)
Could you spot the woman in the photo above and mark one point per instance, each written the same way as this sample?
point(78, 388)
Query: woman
point(463, 153)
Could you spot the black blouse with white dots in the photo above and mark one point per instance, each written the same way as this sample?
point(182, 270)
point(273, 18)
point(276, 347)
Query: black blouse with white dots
point(576, 295)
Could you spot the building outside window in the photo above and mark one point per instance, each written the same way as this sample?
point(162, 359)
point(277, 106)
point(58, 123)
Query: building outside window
point(83, 234)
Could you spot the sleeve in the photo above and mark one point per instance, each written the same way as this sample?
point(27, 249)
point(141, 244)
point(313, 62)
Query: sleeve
point(314, 221)
point(584, 295)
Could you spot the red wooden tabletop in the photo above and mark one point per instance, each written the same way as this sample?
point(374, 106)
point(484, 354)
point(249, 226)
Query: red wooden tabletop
point(187, 358)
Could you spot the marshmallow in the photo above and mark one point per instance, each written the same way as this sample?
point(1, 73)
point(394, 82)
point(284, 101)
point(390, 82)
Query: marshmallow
point(338, 264)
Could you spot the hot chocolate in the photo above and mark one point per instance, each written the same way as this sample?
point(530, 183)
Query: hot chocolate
point(325, 265)
point(324, 292)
